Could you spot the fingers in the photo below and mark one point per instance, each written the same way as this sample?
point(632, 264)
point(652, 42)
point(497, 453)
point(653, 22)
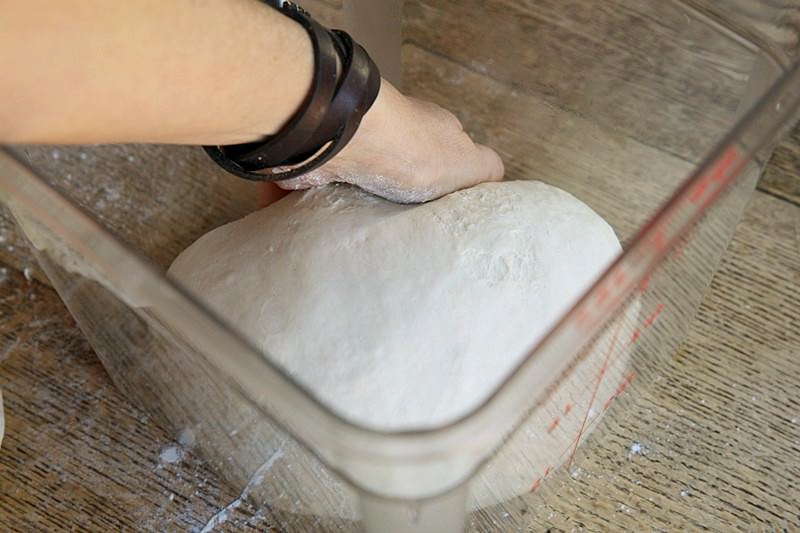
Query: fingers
point(465, 163)
point(494, 168)
point(269, 193)
point(475, 165)
point(407, 151)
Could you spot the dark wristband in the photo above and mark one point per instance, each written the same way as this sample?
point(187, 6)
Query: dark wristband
point(327, 119)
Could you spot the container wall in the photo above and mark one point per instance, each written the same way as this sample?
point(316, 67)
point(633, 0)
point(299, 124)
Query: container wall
point(614, 102)
point(612, 377)
point(166, 373)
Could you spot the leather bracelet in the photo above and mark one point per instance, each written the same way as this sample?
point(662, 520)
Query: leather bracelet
point(327, 119)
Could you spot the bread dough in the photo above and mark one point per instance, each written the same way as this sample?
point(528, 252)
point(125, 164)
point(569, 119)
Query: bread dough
point(401, 316)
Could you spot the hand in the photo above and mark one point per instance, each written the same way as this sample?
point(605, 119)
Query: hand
point(407, 150)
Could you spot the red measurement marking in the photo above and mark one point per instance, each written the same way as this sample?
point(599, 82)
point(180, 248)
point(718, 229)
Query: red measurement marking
point(727, 159)
point(657, 241)
point(538, 481)
point(698, 191)
point(604, 298)
point(644, 283)
point(610, 358)
point(582, 317)
point(602, 295)
point(619, 278)
point(553, 424)
point(724, 172)
point(634, 337)
point(646, 324)
point(654, 315)
point(624, 383)
point(717, 174)
point(607, 403)
point(600, 375)
point(620, 389)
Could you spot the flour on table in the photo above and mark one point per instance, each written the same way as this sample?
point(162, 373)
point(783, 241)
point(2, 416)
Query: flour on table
point(401, 316)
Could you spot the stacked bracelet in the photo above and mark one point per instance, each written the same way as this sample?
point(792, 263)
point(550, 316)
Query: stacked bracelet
point(345, 84)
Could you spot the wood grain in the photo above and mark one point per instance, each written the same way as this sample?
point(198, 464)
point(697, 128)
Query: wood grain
point(78, 456)
point(613, 62)
point(719, 432)
point(543, 142)
point(782, 176)
point(776, 21)
point(718, 429)
point(115, 182)
point(159, 199)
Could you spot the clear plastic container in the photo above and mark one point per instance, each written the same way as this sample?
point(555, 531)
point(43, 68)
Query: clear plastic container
point(659, 116)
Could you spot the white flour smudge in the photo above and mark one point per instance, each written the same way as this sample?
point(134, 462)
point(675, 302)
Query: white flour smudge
point(256, 479)
point(186, 437)
point(635, 449)
point(170, 454)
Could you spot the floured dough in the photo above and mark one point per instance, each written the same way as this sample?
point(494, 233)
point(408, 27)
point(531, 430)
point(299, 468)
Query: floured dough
point(401, 316)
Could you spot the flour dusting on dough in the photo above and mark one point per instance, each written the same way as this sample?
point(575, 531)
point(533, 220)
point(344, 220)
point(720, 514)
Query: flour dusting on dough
point(401, 316)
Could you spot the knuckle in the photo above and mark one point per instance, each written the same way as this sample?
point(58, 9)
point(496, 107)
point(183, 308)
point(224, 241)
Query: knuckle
point(451, 120)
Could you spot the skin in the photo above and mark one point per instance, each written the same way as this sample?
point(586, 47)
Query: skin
point(208, 72)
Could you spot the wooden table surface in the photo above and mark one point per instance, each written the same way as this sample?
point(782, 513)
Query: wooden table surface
point(713, 445)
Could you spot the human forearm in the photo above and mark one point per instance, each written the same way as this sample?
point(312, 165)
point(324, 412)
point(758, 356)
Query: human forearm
point(208, 72)
point(180, 71)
